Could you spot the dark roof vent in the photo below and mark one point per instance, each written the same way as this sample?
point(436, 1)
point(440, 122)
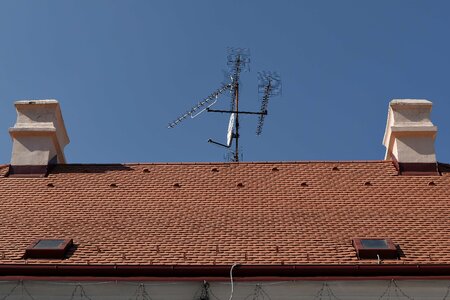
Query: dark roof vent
point(375, 248)
point(48, 248)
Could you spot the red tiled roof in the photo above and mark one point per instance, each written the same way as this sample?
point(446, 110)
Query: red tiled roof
point(223, 213)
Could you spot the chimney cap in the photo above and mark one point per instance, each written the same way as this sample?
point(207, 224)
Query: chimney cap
point(45, 101)
point(408, 116)
point(410, 102)
point(36, 122)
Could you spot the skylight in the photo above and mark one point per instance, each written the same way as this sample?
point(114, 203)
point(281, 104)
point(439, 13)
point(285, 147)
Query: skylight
point(375, 248)
point(374, 244)
point(49, 244)
point(48, 248)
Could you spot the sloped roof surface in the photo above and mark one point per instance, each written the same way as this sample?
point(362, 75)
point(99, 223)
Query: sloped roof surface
point(223, 213)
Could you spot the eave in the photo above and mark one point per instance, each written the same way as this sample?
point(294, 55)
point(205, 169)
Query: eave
point(222, 272)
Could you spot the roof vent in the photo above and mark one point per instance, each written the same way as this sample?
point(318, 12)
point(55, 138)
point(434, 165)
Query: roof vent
point(409, 137)
point(39, 137)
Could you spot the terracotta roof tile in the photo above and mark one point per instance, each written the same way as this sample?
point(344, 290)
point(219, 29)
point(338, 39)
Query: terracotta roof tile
point(222, 213)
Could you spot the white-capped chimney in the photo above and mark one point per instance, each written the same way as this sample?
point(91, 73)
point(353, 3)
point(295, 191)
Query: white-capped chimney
point(39, 137)
point(409, 136)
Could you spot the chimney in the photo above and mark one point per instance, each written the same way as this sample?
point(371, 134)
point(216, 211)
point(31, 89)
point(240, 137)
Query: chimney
point(39, 137)
point(409, 137)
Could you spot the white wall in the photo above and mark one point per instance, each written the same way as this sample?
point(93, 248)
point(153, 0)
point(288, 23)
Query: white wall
point(282, 290)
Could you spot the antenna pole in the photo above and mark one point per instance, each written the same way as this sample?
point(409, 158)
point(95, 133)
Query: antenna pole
point(237, 67)
point(236, 153)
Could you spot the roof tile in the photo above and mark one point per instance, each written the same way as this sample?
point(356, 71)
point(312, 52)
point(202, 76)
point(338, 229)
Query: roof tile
point(272, 218)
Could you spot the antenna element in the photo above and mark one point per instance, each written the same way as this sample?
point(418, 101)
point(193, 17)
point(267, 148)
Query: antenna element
point(269, 84)
point(214, 95)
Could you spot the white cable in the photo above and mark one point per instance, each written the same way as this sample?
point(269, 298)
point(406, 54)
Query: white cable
point(231, 279)
point(379, 260)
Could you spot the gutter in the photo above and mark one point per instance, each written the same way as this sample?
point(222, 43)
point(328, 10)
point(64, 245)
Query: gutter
point(264, 272)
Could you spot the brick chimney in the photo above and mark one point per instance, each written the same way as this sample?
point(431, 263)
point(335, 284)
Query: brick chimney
point(409, 137)
point(39, 137)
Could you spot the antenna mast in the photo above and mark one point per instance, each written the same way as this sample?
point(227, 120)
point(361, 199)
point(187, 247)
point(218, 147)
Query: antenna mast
point(238, 60)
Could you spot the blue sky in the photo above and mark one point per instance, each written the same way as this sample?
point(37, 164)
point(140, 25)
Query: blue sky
point(123, 69)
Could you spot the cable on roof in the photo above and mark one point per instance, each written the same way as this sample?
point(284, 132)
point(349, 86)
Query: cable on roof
point(231, 279)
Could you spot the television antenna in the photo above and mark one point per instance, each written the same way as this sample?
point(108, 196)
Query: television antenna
point(269, 84)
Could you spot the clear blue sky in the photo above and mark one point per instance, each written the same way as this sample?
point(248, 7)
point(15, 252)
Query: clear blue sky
point(123, 69)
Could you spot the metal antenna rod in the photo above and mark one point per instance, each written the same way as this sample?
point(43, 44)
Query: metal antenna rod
point(236, 90)
point(236, 153)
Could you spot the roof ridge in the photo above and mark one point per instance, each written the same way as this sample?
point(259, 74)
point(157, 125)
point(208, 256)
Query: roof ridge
point(226, 163)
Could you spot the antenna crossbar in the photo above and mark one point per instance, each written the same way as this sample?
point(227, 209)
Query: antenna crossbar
point(202, 103)
point(235, 111)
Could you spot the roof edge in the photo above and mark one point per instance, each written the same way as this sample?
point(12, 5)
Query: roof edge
point(181, 271)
